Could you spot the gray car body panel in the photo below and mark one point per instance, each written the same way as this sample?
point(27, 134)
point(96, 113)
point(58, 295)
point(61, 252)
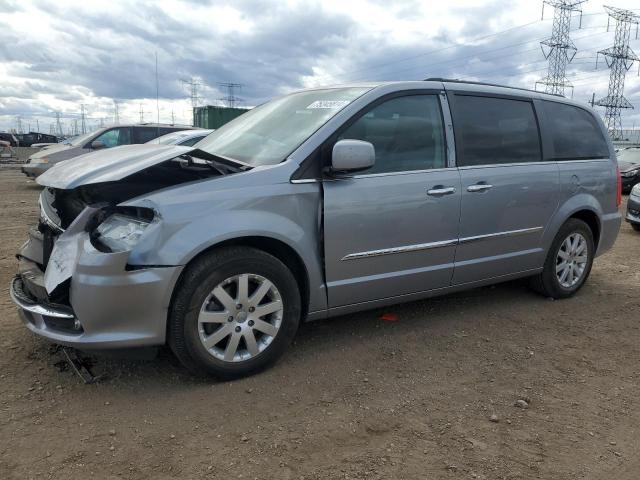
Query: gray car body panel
point(108, 165)
point(309, 214)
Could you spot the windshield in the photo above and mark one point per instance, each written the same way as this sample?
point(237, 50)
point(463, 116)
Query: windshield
point(170, 138)
point(267, 134)
point(80, 139)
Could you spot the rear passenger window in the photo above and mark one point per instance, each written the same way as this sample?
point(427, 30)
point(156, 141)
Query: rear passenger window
point(495, 130)
point(574, 132)
point(407, 133)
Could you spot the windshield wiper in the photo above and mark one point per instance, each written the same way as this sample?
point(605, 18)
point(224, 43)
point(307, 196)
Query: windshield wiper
point(229, 162)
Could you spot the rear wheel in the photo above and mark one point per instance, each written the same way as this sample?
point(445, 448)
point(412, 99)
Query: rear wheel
point(235, 313)
point(568, 262)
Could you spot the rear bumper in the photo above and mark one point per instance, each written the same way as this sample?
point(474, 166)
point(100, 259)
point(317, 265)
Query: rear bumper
point(610, 227)
point(107, 306)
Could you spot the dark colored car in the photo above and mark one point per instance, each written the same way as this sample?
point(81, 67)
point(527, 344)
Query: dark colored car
point(629, 164)
point(28, 139)
point(107, 137)
point(9, 137)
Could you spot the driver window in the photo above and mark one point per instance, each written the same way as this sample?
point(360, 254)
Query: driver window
point(407, 133)
point(115, 137)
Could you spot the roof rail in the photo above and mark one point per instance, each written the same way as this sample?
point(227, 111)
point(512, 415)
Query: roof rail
point(469, 82)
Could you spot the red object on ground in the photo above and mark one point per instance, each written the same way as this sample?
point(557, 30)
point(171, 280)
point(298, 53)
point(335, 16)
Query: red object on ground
point(389, 317)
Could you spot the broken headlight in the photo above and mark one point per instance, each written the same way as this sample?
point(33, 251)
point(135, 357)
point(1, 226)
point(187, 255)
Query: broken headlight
point(120, 232)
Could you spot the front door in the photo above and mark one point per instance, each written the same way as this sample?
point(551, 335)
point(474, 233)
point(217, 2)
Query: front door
point(508, 193)
point(393, 229)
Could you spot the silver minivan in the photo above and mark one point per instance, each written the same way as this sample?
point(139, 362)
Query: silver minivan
point(320, 203)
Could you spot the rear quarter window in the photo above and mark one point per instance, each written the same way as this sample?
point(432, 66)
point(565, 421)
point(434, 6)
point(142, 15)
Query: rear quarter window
point(575, 133)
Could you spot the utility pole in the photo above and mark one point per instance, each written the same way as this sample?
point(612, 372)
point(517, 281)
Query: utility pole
point(116, 113)
point(231, 98)
point(173, 118)
point(37, 126)
point(141, 114)
point(83, 123)
point(194, 84)
point(559, 49)
point(75, 126)
point(620, 59)
point(19, 124)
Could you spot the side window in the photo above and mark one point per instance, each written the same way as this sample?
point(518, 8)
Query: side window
point(407, 133)
point(115, 137)
point(575, 134)
point(495, 130)
point(145, 134)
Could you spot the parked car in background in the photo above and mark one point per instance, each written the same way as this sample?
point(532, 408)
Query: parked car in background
point(10, 138)
point(31, 138)
point(6, 150)
point(106, 137)
point(629, 164)
point(317, 204)
point(633, 208)
point(186, 138)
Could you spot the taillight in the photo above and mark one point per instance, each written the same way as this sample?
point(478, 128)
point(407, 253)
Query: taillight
point(618, 187)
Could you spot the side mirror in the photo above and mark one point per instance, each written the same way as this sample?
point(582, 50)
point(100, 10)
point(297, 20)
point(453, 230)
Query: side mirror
point(97, 145)
point(352, 155)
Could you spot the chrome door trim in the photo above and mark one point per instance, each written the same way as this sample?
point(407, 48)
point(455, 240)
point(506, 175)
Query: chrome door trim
point(405, 249)
point(509, 233)
point(402, 172)
point(439, 244)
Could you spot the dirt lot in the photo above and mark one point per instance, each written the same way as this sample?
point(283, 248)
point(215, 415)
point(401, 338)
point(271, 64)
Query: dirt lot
point(356, 397)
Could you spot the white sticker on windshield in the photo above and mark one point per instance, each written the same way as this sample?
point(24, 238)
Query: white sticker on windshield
point(329, 104)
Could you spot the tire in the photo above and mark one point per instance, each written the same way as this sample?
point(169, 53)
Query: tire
point(247, 340)
point(636, 226)
point(548, 283)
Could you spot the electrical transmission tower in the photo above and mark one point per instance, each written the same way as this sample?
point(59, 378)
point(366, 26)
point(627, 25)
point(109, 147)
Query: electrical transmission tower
point(59, 125)
point(559, 49)
point(83, 118)
point(193, 85)
point(620, 59)
point(231, 98)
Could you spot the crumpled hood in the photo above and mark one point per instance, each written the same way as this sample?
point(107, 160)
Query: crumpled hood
point(108, 165)
point(49, 150)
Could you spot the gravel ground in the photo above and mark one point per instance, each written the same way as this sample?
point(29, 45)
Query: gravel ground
point(432, 395)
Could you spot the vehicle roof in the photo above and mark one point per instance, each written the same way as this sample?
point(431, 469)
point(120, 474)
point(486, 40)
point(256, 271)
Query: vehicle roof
point(460, 85)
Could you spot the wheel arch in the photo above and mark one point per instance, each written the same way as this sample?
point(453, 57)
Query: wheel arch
point(592, 220)
point(273, 246)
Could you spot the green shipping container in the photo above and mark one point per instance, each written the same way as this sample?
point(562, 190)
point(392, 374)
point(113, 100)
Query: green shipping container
point(214, 117)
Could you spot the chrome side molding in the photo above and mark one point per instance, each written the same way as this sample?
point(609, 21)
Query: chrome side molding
point(439, 244)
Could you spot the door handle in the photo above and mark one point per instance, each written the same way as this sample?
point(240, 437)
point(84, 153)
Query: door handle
point(479, 187)
point(439, 190)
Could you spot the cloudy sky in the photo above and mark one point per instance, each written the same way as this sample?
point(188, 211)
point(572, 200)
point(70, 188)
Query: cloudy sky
point(58, 55)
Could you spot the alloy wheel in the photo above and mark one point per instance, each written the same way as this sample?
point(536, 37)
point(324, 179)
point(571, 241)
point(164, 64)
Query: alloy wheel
point(240, 317)
point(571, 261)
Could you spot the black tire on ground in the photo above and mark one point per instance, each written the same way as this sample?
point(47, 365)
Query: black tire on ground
point(636, 226)
point(547, 282)
point(198, 281)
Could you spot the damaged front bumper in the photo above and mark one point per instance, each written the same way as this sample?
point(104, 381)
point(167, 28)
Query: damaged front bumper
point(90, 299)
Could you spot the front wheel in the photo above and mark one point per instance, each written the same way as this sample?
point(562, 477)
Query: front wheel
point(235, 312)
point(568, 262)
